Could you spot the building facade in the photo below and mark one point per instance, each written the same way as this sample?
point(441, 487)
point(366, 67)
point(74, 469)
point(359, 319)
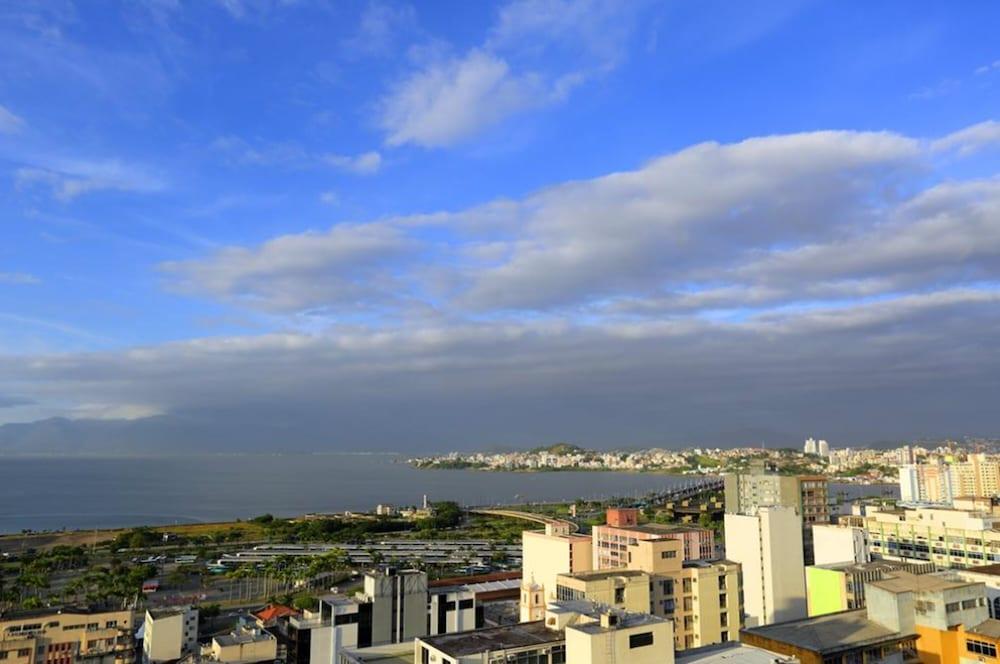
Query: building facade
point(808, 494)
point(545, 555)
point(768, 546)
point(622, 528)
point(841, 586)
point(68, 635)
point(169, 634)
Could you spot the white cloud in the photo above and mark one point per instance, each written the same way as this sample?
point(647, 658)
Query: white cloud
point(970, 139)
point(535, 55)
point(18, 278)
point(379, 27)
point(68, 179)
point(986, 69)
point(9, 123)
point(451, 100)
point(366, 163)
point(329, 198)
point(347, 267)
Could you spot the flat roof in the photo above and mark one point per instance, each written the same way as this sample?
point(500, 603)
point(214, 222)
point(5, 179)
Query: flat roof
point(989, 627)
point(521, 635)
point(390, 653)
point(243, 637)
point(829, 633)
point(732, 652)
point(991, 570)
point(624, 620)
point(605, 573)
point(156, 614)
point(904, 582)
point(883, 565)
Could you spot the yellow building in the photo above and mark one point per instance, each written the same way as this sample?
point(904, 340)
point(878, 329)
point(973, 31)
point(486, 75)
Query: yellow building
point(242, 646)
point(67, 636)
point(701, 597)
point(547, 554)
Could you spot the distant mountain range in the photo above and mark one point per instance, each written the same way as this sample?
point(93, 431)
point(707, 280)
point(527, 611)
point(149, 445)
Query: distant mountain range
point(214, 433)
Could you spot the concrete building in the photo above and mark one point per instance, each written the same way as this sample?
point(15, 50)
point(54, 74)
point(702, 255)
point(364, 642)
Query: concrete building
point(810, 446)
point(808, 494)
point(67, 635)
point(823, 448)
point(622, 528)
point(768, 546)
point(244, 645)
point(932, 606)
point(841, 586)
point(733, 652)
point(848, 637)
point(547, 554)
point(398, 600)
point(950, 538)
point(169, 634)
point(926, 483)
point(621, 589)
point(989, 576)
point(452, 610)
point(574, 632)
point(835, 543)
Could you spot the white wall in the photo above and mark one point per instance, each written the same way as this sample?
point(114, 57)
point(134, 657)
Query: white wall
point(839, 544)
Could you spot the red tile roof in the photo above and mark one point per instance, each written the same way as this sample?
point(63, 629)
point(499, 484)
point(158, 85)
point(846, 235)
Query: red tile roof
point(274, 611)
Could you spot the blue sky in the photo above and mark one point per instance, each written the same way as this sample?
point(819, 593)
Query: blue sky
point(249, 179)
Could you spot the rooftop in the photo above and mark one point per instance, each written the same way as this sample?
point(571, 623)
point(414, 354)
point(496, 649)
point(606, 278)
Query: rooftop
point(275, 611)
point(461, 644)
point(237, 638)
point(596, 575)
point(390, 653)
point(875, 565)
point(990, 628)
point(733, 652)
point(829, 633)
point(156, 614)
point(624, 620)
point(661, 528)
point(905, 582)
point(990, 570)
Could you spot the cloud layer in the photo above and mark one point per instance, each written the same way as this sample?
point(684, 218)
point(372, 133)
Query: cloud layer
point(828, 281)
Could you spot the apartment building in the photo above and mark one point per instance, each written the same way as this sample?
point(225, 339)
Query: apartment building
point(808, 494)
point(703, 598)
point(949, 538)
point(574, 632)
point(926, 483)
point(67, 635)
point(768, 546)
point(169, 634)
point(989, 576)
point(841, 586)
point(622, 528)
point(545, 555)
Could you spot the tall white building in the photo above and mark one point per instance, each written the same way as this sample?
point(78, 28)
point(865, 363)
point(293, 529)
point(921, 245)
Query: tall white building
point(823, 448)
point(768, 544)
point(810, 446)
point(169, 634)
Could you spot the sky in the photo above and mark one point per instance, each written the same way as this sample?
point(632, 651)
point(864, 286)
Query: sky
point(381, 225)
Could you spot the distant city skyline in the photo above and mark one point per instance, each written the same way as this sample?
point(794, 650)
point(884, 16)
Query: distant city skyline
point(456, 225)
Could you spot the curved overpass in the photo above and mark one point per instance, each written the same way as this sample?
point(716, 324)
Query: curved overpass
point(528, 516)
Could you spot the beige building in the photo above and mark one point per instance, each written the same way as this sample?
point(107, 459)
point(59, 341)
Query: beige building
point(547, 554)
point(622, 528)
point(701, 597)
point(808, 494)
point(571, 632)
point(950, 538)
point(768, 546)
point(169, 634)
point(243, 646)
point(66, 636)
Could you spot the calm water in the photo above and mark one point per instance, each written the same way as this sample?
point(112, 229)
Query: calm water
point(54, 493)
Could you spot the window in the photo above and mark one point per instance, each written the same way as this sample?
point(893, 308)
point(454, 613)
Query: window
point(3, 654)
point(619, 595)
point(969, 604)
point(981, 648)
point(466, 604)
point(724, 636)
point(951, 607)
point(667, 554)
point(640, 640)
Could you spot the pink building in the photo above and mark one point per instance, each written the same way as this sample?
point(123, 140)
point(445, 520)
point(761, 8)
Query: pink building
point(611, 541)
